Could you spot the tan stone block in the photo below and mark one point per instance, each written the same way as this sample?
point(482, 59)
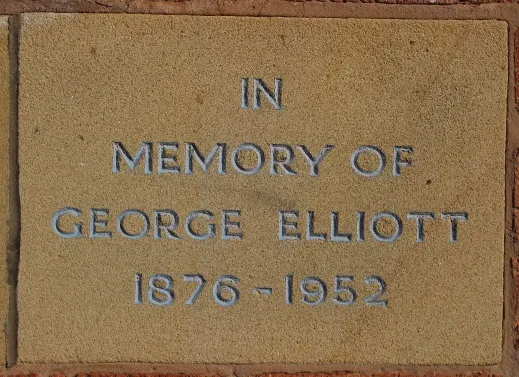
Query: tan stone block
point(88, 82)
point(4, 160)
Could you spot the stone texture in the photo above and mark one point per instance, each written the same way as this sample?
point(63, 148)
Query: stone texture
point(4, 160)
point(440, 86)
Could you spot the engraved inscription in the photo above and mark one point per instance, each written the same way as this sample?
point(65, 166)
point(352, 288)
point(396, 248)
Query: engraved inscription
point(166, 224)
point(189, 158)
point(233, 178)
point(225, 292)
point(261, 89)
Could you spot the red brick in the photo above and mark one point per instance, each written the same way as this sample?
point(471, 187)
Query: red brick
point(515, 275)
point(385, 374)
point(331, 374)
point(173, 6)
point(516, 186)
point(516, 67)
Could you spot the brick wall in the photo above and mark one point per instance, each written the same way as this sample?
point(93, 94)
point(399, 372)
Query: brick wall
point(442, 9)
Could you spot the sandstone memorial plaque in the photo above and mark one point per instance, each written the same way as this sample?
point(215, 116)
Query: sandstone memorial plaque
point(261, 190)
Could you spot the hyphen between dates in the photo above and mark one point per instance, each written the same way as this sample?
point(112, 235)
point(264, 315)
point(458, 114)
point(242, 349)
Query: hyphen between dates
point(226, 225)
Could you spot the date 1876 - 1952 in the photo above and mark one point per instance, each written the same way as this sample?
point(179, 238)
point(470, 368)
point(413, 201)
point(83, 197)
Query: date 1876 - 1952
point(312, 290)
